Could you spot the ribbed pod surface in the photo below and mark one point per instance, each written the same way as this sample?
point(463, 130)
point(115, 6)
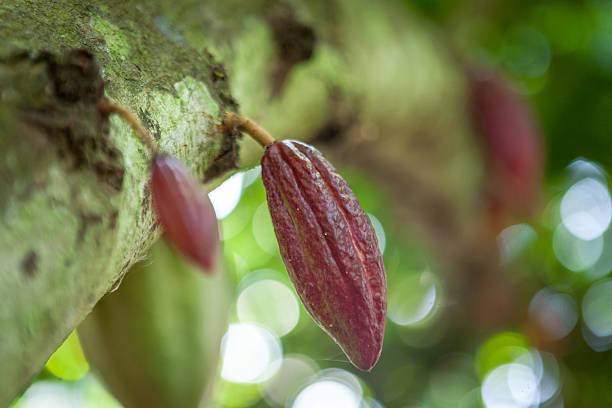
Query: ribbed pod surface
point(329, 248)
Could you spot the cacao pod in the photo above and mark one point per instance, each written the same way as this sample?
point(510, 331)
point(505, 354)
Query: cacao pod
point(185, 212)
point(155, 340)
point(512, 145)
point(329, 247)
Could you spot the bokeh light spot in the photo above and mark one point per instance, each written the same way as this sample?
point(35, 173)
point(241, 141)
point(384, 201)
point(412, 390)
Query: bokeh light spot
point(226, 197)
point(251, 175)
point(270, 303)
point(251, 353)
point(96, 395)
point(574, 253)
point(371, 403)
point(597, 308)
point(68, 362)
point(334, 388)
point(294, 373)
point(51, 394)
point(327, 394)
point(550, 378)
point(513, 240)
point(529, 380)
point(586, 209)
point(235, 395)
point(412, 298)
point(500, 349)
point(526, 52)
point(580, 168)
point(509, 385)
point(603, 266)
point(555, 312)
point(594, 341)
point(380, 232)
point(263, 230)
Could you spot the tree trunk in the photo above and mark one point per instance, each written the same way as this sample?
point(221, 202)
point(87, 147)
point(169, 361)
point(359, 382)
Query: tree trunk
point(75, 208)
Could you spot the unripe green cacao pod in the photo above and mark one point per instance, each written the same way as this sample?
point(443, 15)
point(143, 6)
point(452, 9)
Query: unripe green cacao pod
point(155, 341)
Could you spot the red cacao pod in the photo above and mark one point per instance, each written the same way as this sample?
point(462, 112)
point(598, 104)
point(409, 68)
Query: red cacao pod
point(185, 212)
point(512, 145)
point(329, 248)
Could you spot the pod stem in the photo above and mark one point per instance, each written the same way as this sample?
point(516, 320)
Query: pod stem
point(107, 106)
point(234, 120)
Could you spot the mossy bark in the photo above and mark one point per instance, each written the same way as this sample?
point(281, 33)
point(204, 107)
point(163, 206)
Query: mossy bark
point(75, 210)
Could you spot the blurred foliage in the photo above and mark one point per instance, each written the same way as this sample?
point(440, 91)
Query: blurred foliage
point(555, 350)
point(560, 51)
point(68, 362)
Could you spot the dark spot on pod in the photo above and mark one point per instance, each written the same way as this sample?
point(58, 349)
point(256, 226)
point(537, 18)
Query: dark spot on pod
point(85, 221)
point(29, 264)
point(112, 223)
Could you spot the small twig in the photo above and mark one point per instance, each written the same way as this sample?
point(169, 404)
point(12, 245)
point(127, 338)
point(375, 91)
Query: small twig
point(107, 106)
point(234, 120)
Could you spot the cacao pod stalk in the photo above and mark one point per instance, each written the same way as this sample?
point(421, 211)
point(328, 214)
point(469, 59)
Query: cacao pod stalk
point(184, 211)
